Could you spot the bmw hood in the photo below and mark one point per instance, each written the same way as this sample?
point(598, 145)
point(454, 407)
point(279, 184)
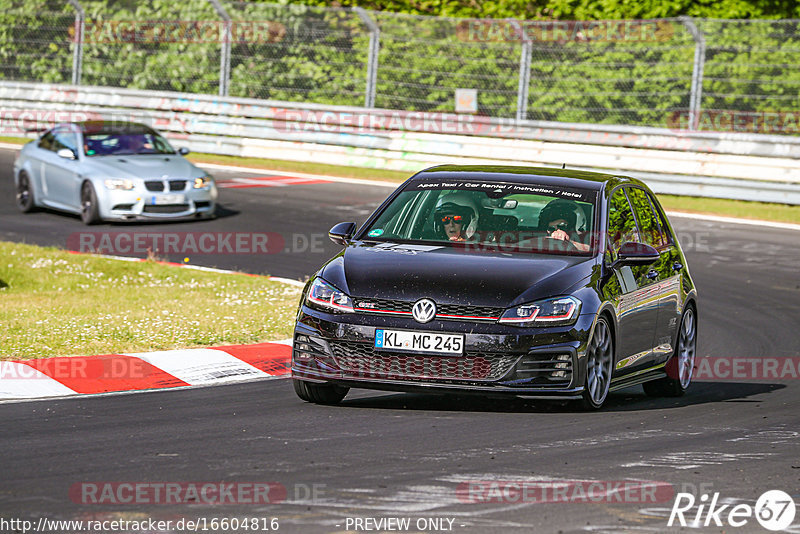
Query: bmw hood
point(149, 166)
point(452, 276)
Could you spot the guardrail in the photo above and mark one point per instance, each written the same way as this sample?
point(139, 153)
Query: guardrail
point(735, 166)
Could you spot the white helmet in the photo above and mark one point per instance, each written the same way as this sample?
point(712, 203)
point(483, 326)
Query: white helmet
point(461, 203)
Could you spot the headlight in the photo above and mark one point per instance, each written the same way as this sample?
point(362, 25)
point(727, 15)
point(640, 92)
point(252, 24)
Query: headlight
point(323, 295)
point(202, 181)
point(118, 183)
point(549, 312)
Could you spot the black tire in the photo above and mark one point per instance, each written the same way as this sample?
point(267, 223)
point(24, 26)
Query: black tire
point(89, 211)
point(24, 196)
point(319, 393)
point(599, 365)
point(680, 364)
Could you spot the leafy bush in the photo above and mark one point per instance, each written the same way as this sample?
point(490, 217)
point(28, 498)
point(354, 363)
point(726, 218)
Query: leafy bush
point(312, 53)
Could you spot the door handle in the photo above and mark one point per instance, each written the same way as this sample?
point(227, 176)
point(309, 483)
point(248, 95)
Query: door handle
point(677, 266)
point(652, 274)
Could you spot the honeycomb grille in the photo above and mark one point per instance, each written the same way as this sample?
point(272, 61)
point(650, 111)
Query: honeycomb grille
point(362, 360)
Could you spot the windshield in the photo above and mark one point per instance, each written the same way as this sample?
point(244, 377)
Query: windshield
point(490, 216)
point(128, 143)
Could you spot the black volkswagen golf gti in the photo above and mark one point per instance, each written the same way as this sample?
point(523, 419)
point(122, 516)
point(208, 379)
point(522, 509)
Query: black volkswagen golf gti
point(534, 282)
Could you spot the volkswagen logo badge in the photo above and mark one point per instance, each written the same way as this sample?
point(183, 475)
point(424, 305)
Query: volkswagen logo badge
point(424, 310)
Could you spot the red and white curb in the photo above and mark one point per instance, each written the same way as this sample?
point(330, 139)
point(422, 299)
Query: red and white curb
point(85, 375)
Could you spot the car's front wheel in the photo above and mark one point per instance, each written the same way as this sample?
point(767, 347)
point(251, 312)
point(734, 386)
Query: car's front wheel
point(89, 211)
point(319, 393)
point(599, 364)
point(24, 195)
point(680, 367)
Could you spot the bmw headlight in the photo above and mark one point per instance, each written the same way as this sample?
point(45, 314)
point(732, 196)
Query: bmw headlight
point(203, 181)
point(324, 295)
point(118, 183)
point(548, 312)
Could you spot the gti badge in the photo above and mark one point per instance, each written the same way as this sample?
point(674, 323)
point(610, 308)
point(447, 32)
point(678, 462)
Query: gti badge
point(424, 310)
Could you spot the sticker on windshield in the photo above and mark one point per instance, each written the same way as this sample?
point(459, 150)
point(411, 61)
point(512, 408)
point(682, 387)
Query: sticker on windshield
point(375, 233)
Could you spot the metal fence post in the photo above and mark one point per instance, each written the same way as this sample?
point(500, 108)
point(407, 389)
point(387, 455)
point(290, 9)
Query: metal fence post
point(697, 72)
point(524, 71)
point(225, 50)
point(372, 60)
point(77, 53)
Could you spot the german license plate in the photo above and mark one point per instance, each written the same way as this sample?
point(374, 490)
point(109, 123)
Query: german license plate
point(403, 340)
point(167, 199)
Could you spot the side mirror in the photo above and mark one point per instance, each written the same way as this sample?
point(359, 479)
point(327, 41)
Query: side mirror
point(183, 151)
point(633, 253)
point(66, 153)
point(342, 232)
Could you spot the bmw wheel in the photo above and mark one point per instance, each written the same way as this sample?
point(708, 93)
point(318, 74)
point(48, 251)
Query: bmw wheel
point(89, 211)
point(680, 367)
point(319, 393)
point(599, 363)
point(24, 193)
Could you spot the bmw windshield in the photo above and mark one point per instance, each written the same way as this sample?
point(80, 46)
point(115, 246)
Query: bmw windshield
point(117, 143)
point(490, 216)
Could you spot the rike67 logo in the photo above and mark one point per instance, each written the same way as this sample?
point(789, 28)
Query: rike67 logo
point(774, 510)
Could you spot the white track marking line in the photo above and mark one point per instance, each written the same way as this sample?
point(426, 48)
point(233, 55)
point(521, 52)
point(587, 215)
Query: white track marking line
point(394, 185)
point(734, 220)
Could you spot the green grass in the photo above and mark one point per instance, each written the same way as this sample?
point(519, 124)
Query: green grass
point(59, 304)
point(712, 206)
point(16, 140)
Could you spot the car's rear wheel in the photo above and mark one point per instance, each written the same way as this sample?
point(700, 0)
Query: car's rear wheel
point(599, 363)
point(89, 211)
point(680, 367)
point(24, 193)
point(319, 393)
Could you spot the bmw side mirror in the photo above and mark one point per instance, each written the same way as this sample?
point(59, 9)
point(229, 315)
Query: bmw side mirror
point(633, 253)
point(342, 233)
point(66, 153)
point(183, 151)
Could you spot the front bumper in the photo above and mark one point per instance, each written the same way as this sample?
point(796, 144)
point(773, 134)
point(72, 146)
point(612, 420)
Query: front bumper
point(139, 204)
point(546, 362)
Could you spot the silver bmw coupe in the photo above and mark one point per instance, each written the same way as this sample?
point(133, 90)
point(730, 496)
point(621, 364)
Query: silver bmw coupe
point(111, 171)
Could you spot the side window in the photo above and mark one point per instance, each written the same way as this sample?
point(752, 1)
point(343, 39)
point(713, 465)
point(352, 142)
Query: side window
point(65, 139)
point(666, 238)
point(46, 141)
point(621, 224)
point(649, 228)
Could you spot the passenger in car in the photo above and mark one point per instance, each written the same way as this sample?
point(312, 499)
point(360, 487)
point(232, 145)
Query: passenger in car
point(558, 220)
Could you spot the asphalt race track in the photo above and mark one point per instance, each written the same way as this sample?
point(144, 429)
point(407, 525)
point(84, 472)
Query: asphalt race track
point(381, 455)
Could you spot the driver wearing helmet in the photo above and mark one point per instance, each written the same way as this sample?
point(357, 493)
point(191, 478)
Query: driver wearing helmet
point(455, 217)
point(558, 220)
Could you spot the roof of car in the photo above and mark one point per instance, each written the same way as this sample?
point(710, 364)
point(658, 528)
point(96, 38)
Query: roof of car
point(521, 174)
point(117, 126)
